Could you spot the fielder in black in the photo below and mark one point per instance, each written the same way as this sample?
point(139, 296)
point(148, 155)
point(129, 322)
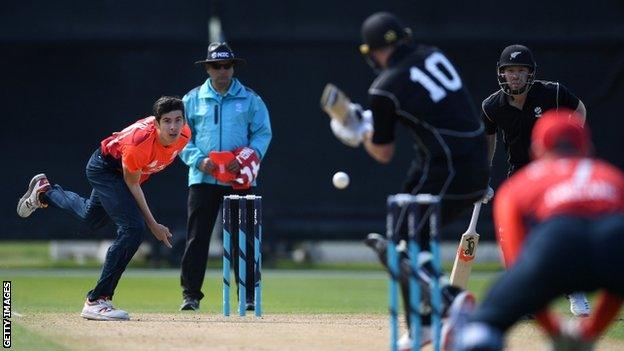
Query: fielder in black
point(419, 88)
point(515, 108)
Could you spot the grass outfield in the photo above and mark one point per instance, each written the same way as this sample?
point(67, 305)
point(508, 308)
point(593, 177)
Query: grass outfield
point(24, 339)
point(157, 291)
point(359, 289)
point(36, 254)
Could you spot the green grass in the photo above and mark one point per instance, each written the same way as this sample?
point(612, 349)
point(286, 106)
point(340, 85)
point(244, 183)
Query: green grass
point(304, 288)
point(24, 254)
point(283, 292)
point(158, 291)
point(36, 254)
point(24, 339)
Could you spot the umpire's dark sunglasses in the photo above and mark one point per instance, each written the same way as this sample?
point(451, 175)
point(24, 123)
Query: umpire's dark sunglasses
point(217, 66)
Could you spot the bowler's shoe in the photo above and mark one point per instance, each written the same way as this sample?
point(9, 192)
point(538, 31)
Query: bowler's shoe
point(102, 309)
point(30, 202)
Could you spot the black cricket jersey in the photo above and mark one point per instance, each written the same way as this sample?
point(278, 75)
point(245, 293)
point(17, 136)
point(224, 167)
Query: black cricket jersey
point(516, 125)
point(423, 91)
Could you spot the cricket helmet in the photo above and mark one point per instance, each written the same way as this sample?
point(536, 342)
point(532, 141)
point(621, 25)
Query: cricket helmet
point(382, 29)
point(515, 55)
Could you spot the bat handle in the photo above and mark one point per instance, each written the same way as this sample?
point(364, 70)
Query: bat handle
point(475, 217)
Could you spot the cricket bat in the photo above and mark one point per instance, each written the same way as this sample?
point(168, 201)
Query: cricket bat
point(466, 251)
point(335, 103)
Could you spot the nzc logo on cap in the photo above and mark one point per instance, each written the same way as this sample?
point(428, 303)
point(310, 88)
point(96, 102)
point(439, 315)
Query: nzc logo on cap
point(220, 55)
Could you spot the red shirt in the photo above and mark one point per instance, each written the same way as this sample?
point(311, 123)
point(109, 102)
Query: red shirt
point(548, 187)
point(139, 149)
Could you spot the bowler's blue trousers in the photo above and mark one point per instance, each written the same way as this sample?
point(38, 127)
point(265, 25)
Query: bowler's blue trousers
point(110, 200)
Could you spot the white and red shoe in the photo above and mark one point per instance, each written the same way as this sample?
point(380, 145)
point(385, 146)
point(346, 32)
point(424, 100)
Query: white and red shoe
point(30, 202)
point(102, 309)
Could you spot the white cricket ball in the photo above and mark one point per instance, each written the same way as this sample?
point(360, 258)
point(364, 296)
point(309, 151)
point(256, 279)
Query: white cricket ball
point(340, 180)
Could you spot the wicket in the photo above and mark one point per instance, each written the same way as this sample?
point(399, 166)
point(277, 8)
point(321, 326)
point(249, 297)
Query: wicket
point(401, 206)
point(241, 202)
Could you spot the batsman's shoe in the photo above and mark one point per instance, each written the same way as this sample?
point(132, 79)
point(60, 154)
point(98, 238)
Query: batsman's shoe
point(189, 304)
point(103, 310)
point(462, 307)
point(405, 342)
point(378, 243)
point(30, 201)
point(579, 306)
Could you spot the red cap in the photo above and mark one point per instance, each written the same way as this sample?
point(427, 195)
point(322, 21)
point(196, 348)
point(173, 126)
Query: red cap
point(558, 129)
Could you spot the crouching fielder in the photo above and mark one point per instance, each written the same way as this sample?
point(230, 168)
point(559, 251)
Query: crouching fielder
point(576, 206)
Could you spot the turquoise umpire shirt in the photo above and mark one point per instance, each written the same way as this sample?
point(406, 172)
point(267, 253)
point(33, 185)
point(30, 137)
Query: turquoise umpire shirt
point(223, 123)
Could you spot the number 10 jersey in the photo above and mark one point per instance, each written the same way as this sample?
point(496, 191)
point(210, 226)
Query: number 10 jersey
point(423, 91)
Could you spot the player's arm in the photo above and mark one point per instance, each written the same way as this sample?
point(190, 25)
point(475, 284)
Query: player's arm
point(260, 128)
point(566, 98)
point(132, 180)
point(510, 232)
point(491, 141)
point(382, 153)
point(510, 228)
point(490, 131)
point(581, 111)
point(379, 143)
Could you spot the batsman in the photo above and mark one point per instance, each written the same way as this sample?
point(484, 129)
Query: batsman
point(419, 89)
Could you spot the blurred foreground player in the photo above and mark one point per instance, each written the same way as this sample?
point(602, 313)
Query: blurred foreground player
point(560, 226)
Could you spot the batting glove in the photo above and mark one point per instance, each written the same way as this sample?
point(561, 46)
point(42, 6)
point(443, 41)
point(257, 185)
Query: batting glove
point(357, 124)
point(489, 194)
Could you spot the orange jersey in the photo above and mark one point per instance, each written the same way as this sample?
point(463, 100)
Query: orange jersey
point(139, 149)
point(549, 187)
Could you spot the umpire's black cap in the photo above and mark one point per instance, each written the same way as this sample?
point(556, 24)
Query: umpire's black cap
point(221, 52)
point(382, 29)
point(516, 55)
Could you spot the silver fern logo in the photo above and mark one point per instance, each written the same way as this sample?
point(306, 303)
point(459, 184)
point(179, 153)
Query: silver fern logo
point(538, 112)
point(514, 54)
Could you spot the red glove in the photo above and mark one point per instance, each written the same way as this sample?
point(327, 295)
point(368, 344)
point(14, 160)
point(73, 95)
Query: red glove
point(221, 159)
point(249, 166)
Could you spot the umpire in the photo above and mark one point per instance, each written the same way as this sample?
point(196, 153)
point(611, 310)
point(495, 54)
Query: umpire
point(223, 115)
point(515, 108)
point(419, 88)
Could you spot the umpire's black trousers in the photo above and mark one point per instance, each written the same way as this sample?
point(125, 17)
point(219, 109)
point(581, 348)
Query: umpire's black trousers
point(204, 202)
